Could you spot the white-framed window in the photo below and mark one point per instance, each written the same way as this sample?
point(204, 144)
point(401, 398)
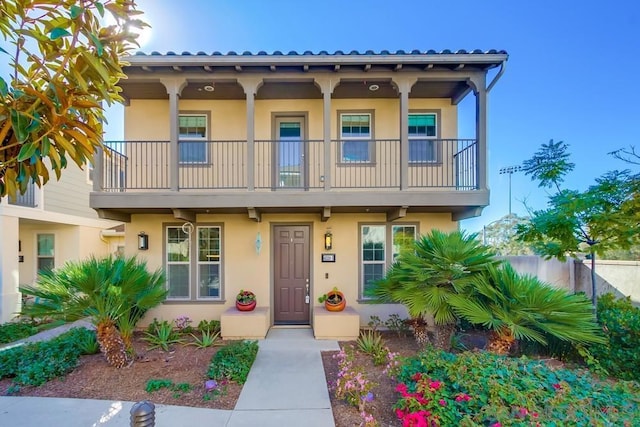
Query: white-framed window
point(380, 244)
point(193, 131)
point(355, 137)
point(422, 137)
point(178, 262)
point(209, 254)
point(193, 261)
point(45, 244)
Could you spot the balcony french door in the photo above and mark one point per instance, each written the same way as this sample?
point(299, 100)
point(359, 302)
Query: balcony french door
point(290, 153)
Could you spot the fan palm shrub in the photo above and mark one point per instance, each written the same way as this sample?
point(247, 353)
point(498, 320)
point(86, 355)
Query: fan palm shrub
point(114, 292)
point(521, 307)
point(428, 273)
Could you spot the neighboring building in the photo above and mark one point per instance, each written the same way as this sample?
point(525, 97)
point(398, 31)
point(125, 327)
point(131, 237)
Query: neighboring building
point(236, 167)
point(46, 227)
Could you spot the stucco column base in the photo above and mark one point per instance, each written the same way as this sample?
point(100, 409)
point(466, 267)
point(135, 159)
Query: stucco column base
point(9, 294)
point(342, 325)
point(235, 324)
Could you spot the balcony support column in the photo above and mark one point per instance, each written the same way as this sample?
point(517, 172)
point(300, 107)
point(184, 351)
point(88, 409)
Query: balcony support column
point(174, 88)
point(404, 85)
point(326, 87)
point(478, 84)
point(250, 87)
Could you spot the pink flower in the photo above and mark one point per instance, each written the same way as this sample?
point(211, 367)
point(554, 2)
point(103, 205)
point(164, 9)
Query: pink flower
point(442, 402)
point(402, 389)
point(434, 385)
point(534, 414)
point(463, 397)
point(496, 424)
point(557, 386)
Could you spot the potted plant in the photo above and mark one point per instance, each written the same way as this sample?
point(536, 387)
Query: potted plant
point(333, 300)
point(245, 301)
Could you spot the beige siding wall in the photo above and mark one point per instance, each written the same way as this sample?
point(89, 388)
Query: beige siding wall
point(70, 195)
point(243, 268)
point(71, 243)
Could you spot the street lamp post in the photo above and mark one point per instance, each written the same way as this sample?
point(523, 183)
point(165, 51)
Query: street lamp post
point(510, 170)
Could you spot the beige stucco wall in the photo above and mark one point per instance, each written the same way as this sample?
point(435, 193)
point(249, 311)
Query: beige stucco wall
point(243, 268)
point(148, 120)
point(71, 242)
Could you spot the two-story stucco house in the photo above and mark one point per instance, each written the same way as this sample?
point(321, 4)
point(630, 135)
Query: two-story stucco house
point(289, 174)
point(46, 227)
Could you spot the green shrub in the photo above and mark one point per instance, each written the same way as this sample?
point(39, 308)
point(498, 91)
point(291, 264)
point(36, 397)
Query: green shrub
point(211, 326)
point(14, 331)
point(621, 322)
point(162, 336)
point(479, 388)
point(36, 363)
point(233, 361)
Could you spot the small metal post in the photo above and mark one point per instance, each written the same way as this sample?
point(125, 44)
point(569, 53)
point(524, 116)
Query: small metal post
point(143, 414)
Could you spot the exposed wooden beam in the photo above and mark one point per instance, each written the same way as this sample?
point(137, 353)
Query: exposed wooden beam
point(459, 67)
point(254, 214)
point(208, 68)
point(305, 67)
point(398, 67)
point(184, 214)
point(367, 67)
point(336, 67)
point(238, 68)
point(113, 215)
point(177, 68)
point(428, 67)
point(326, 214)
point(149, 69)
point(272, 67)
point(397, 213)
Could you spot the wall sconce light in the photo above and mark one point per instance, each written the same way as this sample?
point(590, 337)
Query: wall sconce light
point(143, 241)
point(258, 243)
point(328, 240)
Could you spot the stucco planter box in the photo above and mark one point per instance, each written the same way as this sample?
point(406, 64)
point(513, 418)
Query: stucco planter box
point(235, 324)
point(342, 325)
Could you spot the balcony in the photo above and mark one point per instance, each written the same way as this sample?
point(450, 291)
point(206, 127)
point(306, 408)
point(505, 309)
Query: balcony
point(441, 175)
point(29, 199)
point(434, 164)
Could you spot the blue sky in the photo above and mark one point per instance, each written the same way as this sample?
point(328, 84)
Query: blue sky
point(571, 74)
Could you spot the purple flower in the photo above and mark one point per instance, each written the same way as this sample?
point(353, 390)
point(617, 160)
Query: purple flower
point(368, 397)
point(210, 385)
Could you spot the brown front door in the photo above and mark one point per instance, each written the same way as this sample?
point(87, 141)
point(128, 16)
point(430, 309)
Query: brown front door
point(291, 267)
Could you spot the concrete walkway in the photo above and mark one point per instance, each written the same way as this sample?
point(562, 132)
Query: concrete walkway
point(286, 387)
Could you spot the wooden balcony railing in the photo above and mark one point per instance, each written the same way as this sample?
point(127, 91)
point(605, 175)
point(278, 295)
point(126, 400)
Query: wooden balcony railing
point(282, 164)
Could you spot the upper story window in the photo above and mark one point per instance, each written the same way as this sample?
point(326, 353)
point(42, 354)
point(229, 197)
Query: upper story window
point(355, 137)
point(46, 252)
point(193, 131)
point(422, 138)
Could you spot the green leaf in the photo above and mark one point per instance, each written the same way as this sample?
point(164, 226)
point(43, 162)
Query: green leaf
point(4, 89)
point(26, 151)
point(100, 8)
point(2, 50)
point(46, 145)
point(19, 122)
point(97, 43)
point(75, 11)
point(58, 32)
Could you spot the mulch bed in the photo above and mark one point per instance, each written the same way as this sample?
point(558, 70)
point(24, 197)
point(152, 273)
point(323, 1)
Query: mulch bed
point(346, 415)
point(95, 379)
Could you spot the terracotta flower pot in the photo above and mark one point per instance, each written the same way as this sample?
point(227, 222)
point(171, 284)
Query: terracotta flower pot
point(331, 305)
point(245, 307)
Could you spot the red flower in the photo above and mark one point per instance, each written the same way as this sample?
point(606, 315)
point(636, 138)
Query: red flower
point(442, 402)
point(417, 376)
point(434, 385)
point(402, 389)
